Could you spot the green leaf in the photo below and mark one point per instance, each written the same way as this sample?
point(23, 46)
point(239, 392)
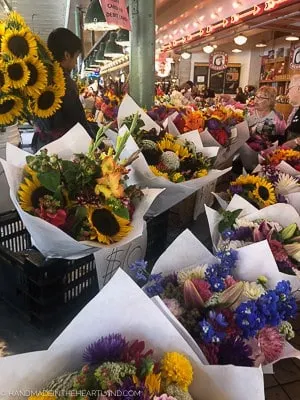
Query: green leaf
point(81, 213)
point(122, 212)
point(50, 180)
point(29, 159)
point(228, 220)
point(58, 195)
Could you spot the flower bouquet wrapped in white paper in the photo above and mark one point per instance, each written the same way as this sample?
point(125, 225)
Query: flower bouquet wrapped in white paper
point(132, 315)
point(275, 228)
point(73, 198)
point(225, 309)
point(180, 165)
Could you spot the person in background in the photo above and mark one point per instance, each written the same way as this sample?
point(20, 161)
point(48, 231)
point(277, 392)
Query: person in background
point(249, 91)
point(293, 123)
point(188, 90)
point(65, 47)
point(240, 96)
point(264, 120)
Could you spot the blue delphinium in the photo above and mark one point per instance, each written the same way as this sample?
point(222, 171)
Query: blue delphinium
point(209, 334)
point(249, 319)
point(287, 307)
point(242, 233)
point(139, 270)
point(217, 273)
point(155, 285)
point(268, 308)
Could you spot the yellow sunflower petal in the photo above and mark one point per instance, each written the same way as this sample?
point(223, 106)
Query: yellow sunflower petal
point(17, 74)
point(11, 107)
point(18, 43)
point(38, 79)
point(47, 102)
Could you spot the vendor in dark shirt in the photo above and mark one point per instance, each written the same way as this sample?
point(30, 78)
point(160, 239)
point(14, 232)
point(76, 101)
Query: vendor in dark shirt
point(65, 47)
point(293, 124)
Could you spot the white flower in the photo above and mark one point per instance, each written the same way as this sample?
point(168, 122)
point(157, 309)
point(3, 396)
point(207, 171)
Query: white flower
point(190, 273)
point(286, 185)
point(253, 290)
point(244, 222)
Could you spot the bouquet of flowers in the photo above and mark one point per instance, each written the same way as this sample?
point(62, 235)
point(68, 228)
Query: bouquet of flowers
point(119, 367)
point(31, 82)
point(114, 367)
point(285, 160)
point(181, 165)
point(230, 320)
point(81, 197)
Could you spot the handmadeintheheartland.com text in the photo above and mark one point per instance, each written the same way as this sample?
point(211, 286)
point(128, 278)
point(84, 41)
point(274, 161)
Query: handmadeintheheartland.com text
point(74, 393)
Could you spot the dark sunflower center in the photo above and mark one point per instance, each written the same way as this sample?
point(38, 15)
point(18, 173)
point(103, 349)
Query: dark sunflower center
point(6, 106)
point(46, 100)
point(2, 79)
point(105, 222)
point(15, 72)
point(37, 194)
point(18, 45)
point(263, 193)
point(33, 74)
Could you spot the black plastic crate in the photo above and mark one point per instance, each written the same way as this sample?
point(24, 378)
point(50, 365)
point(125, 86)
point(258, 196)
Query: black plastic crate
point(48, 292)
point(157, 232)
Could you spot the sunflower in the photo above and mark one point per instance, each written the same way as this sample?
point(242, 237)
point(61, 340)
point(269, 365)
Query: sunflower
point(19, 44)
point(58, 75)
point(107, 227)
point(245, 180)
point(169, 145)
point(4, 85)
point(2, 29)
point(47, 102)
point(157, 172)
point(44, 52)
point(17, 74)
point(11, 107)
point(38, 76)
point(264, 193)
point(14, 20)
point(30, 193)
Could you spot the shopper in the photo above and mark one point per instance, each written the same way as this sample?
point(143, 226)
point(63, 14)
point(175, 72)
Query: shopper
point(293, 129)
point(264, 120)
point(240, 96)
point(65, 47)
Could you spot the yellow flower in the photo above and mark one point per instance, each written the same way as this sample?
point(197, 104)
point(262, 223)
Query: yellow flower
point(18, 43)
point(2, 29)
point(47, 102)
point(17, 74)
point(264, 193)
point(58, 75)
point(157, 172)
point(152, 383)
point(15, 20)
point(11, 107)
point(176, 368)
point(38, 76)
point(282, 155)
point(177, 177)
point(253, 290)
point(4, 84)
point(107, 227)
point(108, 165)
point(44, 52)
point(169, 145)
point(109, 185)
point(43, 396)
point(201, 173)
point(30, 193)
point(245, 180)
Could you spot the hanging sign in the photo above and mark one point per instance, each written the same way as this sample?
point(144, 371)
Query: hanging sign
point(218, 61)
point(295, 56)
point(115, 13)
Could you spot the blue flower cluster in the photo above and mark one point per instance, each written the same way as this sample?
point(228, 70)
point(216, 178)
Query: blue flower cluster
point(139, 270)
point(212, 330)
point(154, 283)
point(217, 273)
point(270, 309)
point(242, 233)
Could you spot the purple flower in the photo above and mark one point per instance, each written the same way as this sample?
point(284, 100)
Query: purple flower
point(242, 233)
point(213, 124)
point(236, 189)
point(218, 319)
point(234, 351)
point(130, 391)
point(108, 348)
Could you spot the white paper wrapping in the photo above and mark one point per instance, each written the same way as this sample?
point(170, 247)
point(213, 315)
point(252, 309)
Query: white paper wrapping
point(187, 251)
point(48, 239)
point(135, 316)
point(257, 257)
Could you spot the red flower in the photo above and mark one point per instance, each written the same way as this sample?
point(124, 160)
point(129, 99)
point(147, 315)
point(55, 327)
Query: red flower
point(221, 136)
point(203, 288)
point(179, 123)
point(57, 219)
point(278, 251)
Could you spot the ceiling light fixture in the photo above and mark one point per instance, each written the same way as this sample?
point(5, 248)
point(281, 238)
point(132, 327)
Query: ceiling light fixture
point(215, 46)
point(208, 49)
point(95, 19)
point(261, 44)
point(186, 55)
point(240, 40)
point(236, 51)
point(292, 38)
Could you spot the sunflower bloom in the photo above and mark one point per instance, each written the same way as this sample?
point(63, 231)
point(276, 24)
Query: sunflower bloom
point(17, 74)
point(175, 368)
point(264, 193)
point(30, 192)
point(58, 75)
point(4, 84)
point(47, 102)
point(157, 172)
point(19, 43)
point(15, 20)
point(169, 145)
point(38, 76)
point(11, 107)
point(106, 226)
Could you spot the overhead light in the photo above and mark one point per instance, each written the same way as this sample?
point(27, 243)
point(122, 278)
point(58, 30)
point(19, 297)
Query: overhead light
point(215, 46)
point(240, 40)
point(100, 54)
point(112, 49)
point(95, 19)
point(208, 49)
point(236, 4)
point(261, 44)
point(186, 56)
point(170, 60)
point(123, 38)
point(292, 38)
point(236, 51)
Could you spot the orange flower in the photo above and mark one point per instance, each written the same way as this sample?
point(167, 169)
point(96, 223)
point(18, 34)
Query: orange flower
point(194, 120)
point(110, 186)
point(282, 155)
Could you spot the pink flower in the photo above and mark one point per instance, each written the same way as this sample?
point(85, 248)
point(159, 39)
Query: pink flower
point(203, 288)
point(229, 281)
point(174, 306)
point(257, 354)
point(58, 218)
point(278, 251)
point(271, 344)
